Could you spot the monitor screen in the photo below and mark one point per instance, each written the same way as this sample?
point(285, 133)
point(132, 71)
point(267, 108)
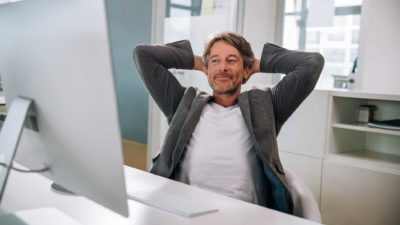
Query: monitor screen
point(57, 53)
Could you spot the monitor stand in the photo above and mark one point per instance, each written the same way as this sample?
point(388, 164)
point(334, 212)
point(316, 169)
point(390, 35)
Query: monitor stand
point(60, 189)
point(20, 113)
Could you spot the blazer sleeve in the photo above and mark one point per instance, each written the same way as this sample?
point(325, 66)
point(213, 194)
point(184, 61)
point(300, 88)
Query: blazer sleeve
point(302, 71)
point(153, 63)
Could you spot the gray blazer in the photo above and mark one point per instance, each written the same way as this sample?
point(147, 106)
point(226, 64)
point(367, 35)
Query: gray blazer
point(264, 111)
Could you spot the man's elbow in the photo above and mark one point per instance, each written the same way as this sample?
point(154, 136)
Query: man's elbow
point(317, 62)
point(138, 51)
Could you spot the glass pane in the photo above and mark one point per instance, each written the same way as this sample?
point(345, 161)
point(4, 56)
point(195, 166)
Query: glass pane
point(177, 12)
point(353, 55)
point(221, 7)
point(337, 43)
point(182, 2)
point(313, 37)
point(340, 21)
point(334, 55)
point(347, 2)
point(291, 32)
point(356, 20)
point(334, 69)
point(336, 36)
point(355, 36)
point(293, 6)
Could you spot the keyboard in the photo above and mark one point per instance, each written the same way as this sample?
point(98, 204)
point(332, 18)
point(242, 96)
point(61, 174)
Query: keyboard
point(172, 203)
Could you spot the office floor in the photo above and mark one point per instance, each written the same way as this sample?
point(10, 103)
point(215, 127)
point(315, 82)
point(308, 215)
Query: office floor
point(135, 154)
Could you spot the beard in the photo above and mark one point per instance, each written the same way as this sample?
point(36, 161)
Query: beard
point(221, 90)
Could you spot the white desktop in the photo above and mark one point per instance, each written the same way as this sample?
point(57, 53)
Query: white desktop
point(86, 212)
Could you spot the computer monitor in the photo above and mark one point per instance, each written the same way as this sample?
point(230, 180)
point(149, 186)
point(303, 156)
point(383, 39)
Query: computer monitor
point(57, 54)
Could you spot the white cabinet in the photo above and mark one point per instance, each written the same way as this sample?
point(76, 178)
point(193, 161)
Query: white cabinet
point(359, 173)
point(304, 132)
point(361, 169)
point(301, 140)
point(352, 194)
point(356, 142)
point(308, 168)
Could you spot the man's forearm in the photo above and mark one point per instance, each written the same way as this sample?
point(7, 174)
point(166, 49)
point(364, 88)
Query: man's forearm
point(276, 59)
point(153, 63)
point(302, 70)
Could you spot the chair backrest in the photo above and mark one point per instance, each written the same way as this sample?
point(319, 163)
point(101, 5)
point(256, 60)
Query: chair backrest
point(304, 202)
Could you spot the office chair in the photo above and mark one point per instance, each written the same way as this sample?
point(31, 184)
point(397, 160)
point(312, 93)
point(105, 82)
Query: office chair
point(304, 202)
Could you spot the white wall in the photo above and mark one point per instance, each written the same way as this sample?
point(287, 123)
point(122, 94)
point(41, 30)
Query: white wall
point(259, 27)
point(379, 47)
point(259, 23)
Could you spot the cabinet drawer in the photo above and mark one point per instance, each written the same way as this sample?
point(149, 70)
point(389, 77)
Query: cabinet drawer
point(353, 195)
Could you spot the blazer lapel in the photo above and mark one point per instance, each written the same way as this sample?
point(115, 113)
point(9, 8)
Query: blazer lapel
point(190, 123)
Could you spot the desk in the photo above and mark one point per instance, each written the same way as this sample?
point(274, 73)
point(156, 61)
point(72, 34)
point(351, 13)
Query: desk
point(28, 191)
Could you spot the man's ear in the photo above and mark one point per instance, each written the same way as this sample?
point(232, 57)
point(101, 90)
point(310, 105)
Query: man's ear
point(246, 74)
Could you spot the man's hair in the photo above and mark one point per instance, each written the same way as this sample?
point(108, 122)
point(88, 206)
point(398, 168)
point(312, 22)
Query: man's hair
point(234, 39)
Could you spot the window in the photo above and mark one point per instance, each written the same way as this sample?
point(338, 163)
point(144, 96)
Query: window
point(177, 8)
point(337, 42)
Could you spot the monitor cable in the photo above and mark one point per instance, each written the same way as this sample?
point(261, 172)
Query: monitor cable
point(41, 170)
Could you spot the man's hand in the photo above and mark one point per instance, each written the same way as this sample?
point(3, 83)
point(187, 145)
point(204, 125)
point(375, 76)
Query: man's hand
point(254, 69)
point(256, 66)
point(199, 64)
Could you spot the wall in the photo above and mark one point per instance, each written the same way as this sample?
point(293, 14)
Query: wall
point(259, 23)
point(379, 47)
point(259, 27)
point(129, 23)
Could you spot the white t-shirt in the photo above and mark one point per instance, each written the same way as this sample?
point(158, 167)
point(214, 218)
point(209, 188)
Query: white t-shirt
point(217, 156)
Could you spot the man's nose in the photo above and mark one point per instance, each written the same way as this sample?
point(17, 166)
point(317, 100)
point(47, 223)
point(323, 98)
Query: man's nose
point(223, 66)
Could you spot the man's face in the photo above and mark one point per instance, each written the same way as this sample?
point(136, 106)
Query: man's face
point(225, 71)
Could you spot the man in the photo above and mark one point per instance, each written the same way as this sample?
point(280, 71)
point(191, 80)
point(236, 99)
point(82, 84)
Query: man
point(226, 142)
